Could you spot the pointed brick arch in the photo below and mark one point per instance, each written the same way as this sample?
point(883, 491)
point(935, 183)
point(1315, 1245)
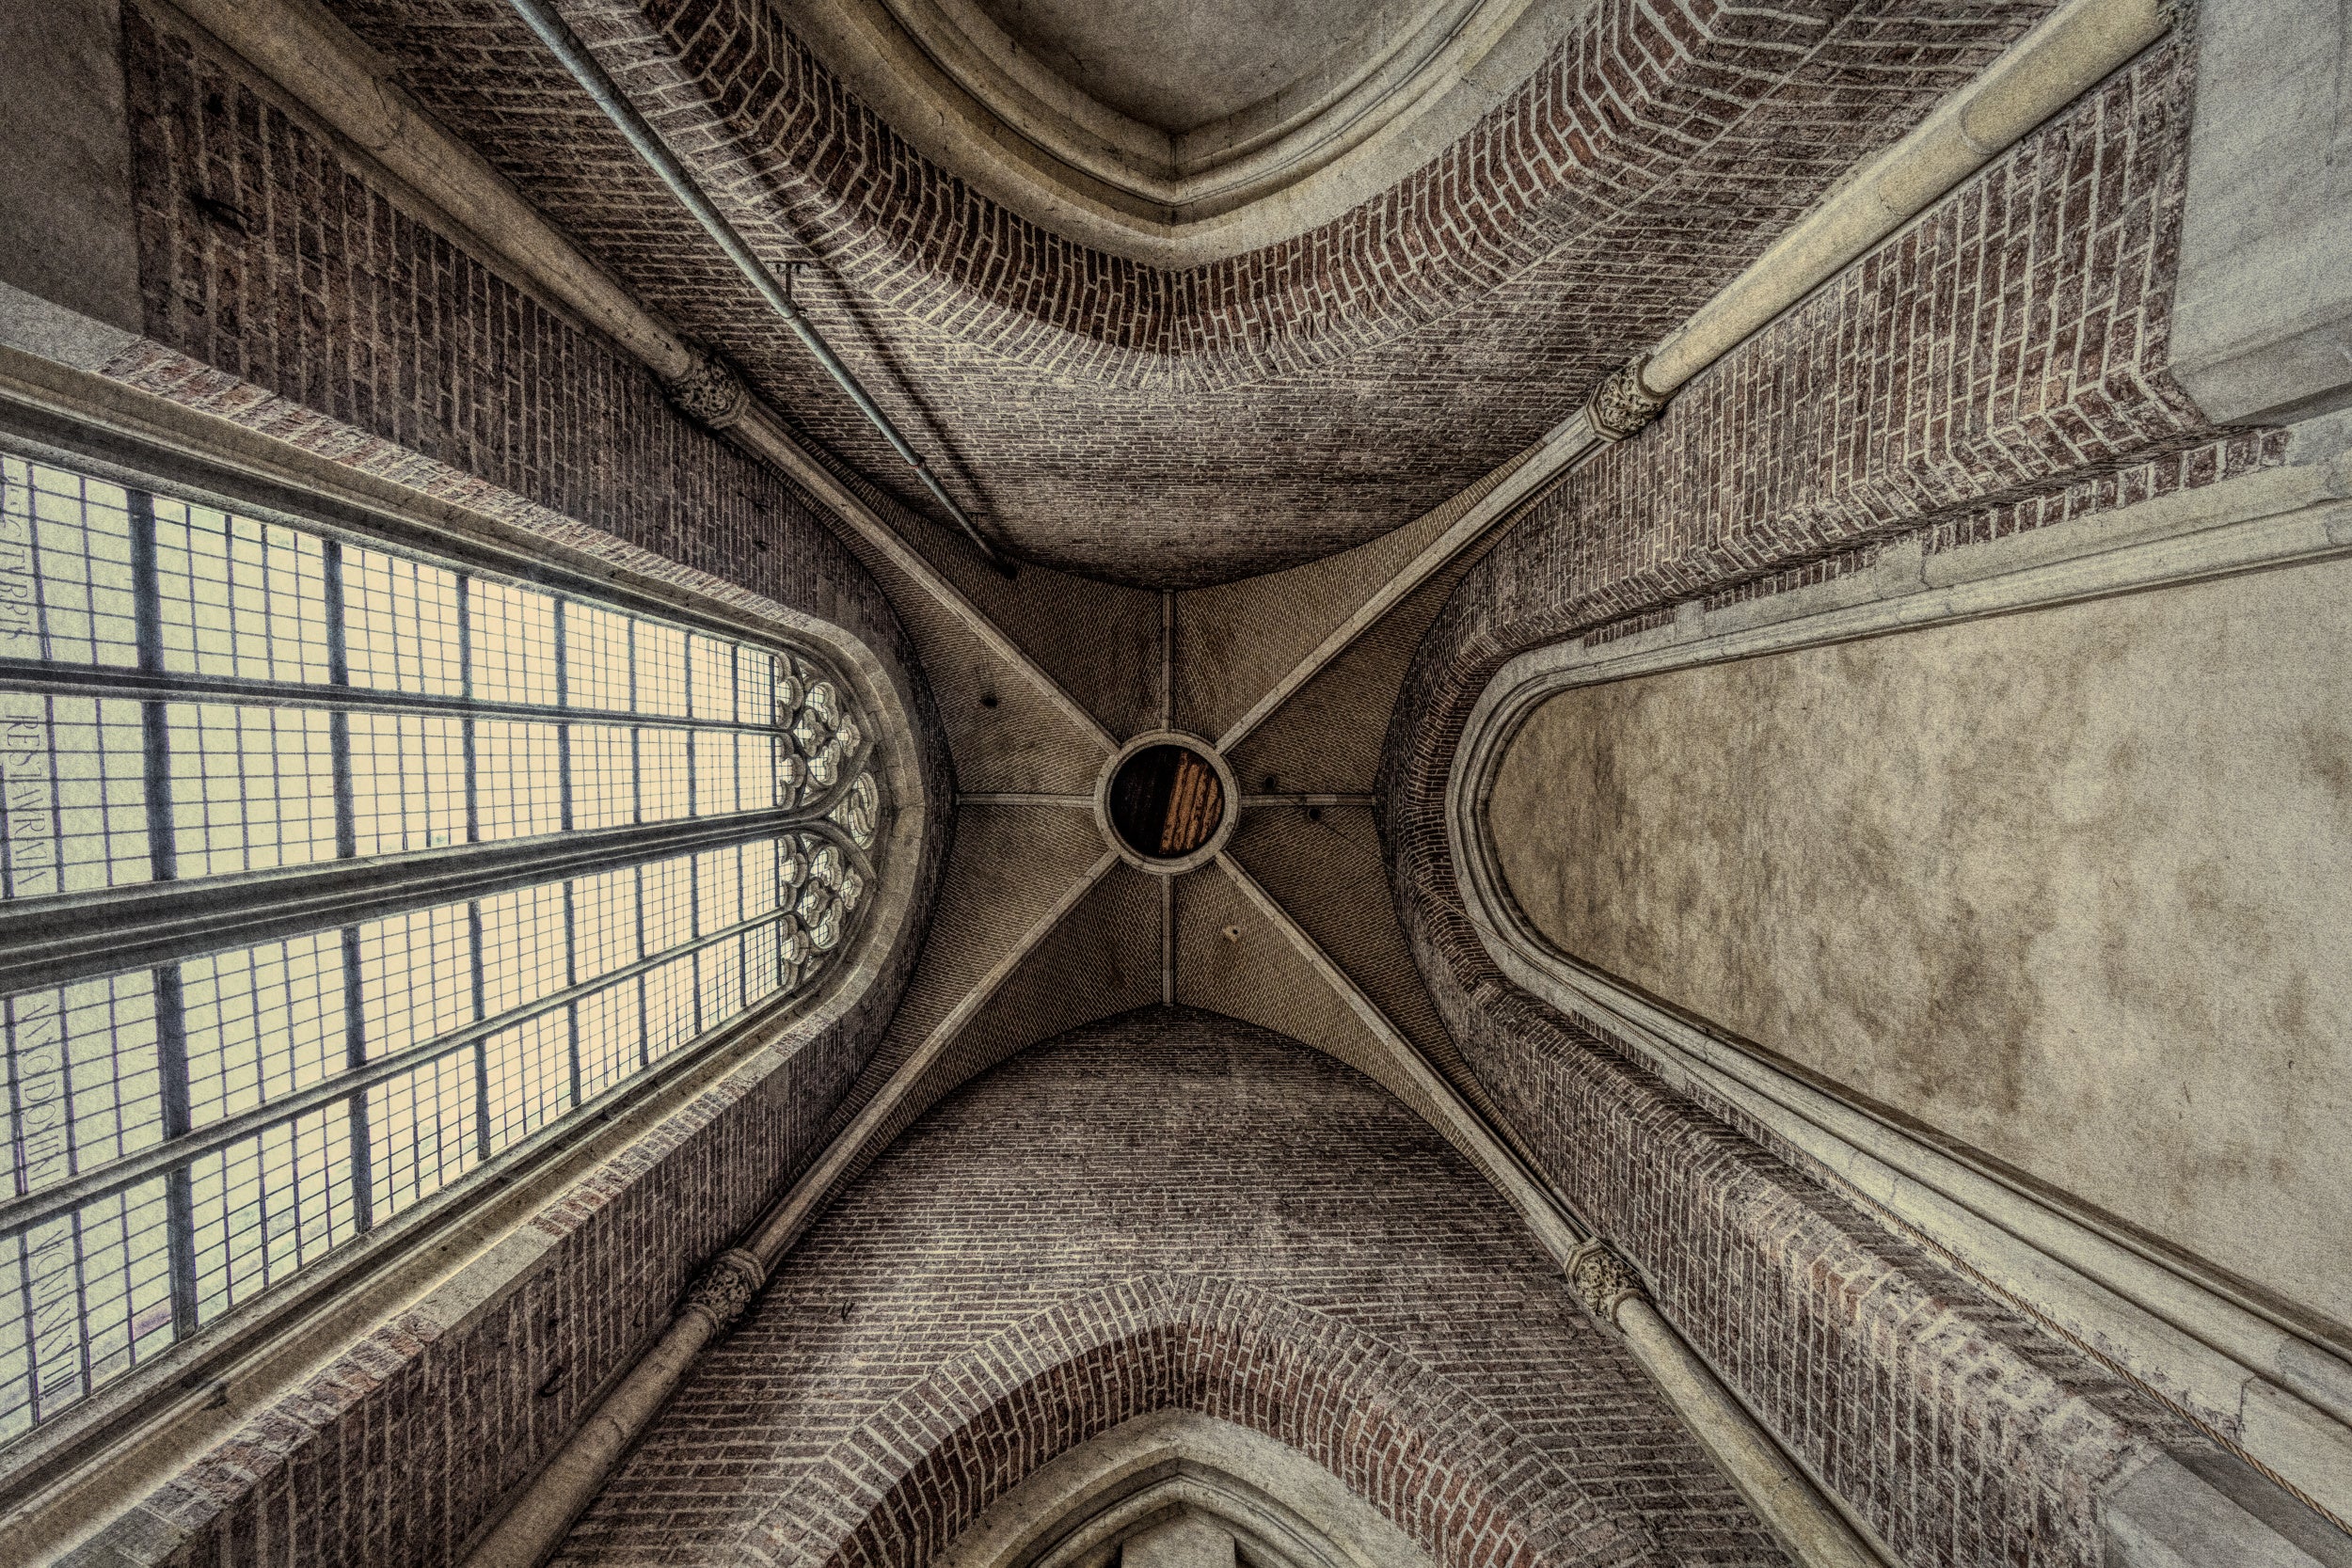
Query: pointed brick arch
point(1438, 1462)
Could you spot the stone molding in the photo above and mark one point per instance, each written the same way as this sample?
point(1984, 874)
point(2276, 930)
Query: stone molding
point(2262, 313)
point(1292, 1512)
point(931, 1462)
point(321, 65)
point(982, 108)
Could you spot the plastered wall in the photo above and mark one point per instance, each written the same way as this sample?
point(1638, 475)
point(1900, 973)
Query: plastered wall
point(2069, 887)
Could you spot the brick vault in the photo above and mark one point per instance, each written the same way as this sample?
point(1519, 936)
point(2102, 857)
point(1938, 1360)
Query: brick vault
point(1583, 764)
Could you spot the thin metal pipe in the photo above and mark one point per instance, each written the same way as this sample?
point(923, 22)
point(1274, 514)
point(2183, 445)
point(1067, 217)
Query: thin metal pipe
point(567, 48)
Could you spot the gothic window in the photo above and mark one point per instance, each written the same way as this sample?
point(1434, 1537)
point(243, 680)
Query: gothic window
point(331, 874)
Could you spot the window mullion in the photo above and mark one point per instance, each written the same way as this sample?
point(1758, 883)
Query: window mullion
point(55, 942)
point(354, 1058)
point(744, 947)
point(636, 774)
point(636, 751)
point(571, 982)
point(644, 1042)
point(56, 805)
point(339, 720)
point(686, 660)
point(465, 726)
point(17, 1180)
point(481, 1047)
point(81, 1304)
point(148, 607)
point(124, 683)
point(695, 902)
point(171, 1052)
point(21, 1246)
point(146, 583)
point(563, 730)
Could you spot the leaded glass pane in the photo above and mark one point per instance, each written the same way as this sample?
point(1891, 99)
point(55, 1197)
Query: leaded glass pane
point(357, 704)
point(238, 597)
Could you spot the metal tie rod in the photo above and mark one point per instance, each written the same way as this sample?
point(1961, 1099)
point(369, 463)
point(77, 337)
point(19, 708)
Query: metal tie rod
point(541, 20)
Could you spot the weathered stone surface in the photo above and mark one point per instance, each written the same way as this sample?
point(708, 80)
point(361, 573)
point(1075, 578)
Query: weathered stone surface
point(2063, 886)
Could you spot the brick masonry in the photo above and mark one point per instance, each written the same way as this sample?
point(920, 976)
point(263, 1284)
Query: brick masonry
point(300, 274)
point(2000, 366)
point(2004, 359)
point(399, 1451)
point(1165, 1211)
point(308, 301)
point(1178, 426)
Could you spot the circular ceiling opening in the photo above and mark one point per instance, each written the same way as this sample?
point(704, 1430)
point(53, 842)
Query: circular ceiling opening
point(1165, 800)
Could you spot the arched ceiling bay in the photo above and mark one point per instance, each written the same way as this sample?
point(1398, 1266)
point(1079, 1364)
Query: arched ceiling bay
point(1168, 425)
point(1182, 133)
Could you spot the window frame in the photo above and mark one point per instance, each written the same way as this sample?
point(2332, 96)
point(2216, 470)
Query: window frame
point(205, 461)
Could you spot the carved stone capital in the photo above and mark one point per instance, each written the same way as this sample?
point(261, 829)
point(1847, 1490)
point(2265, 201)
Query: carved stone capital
point(1622, 405)
point(726, 1288)
point(709, 391)
point(1603, 1280)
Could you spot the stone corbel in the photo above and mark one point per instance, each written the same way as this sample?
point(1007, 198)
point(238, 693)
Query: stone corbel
point(1623, 404)
point(726, 1288)
point(1604, 1281)
point(709, 391)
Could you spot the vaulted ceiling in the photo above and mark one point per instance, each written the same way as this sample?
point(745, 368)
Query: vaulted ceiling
point(1151, 392)
point(1244, 443)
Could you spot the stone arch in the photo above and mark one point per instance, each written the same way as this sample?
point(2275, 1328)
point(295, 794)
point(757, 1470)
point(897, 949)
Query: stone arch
point(1451, 1474)
point(1145, 1475)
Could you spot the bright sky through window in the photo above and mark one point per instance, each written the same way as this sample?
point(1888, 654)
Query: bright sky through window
point(195, 704)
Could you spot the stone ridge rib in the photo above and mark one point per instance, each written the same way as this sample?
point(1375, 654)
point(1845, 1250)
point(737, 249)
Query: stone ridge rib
point(2007, 357)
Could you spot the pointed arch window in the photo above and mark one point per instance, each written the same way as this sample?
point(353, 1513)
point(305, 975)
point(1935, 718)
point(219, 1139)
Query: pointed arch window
point(332, 872)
